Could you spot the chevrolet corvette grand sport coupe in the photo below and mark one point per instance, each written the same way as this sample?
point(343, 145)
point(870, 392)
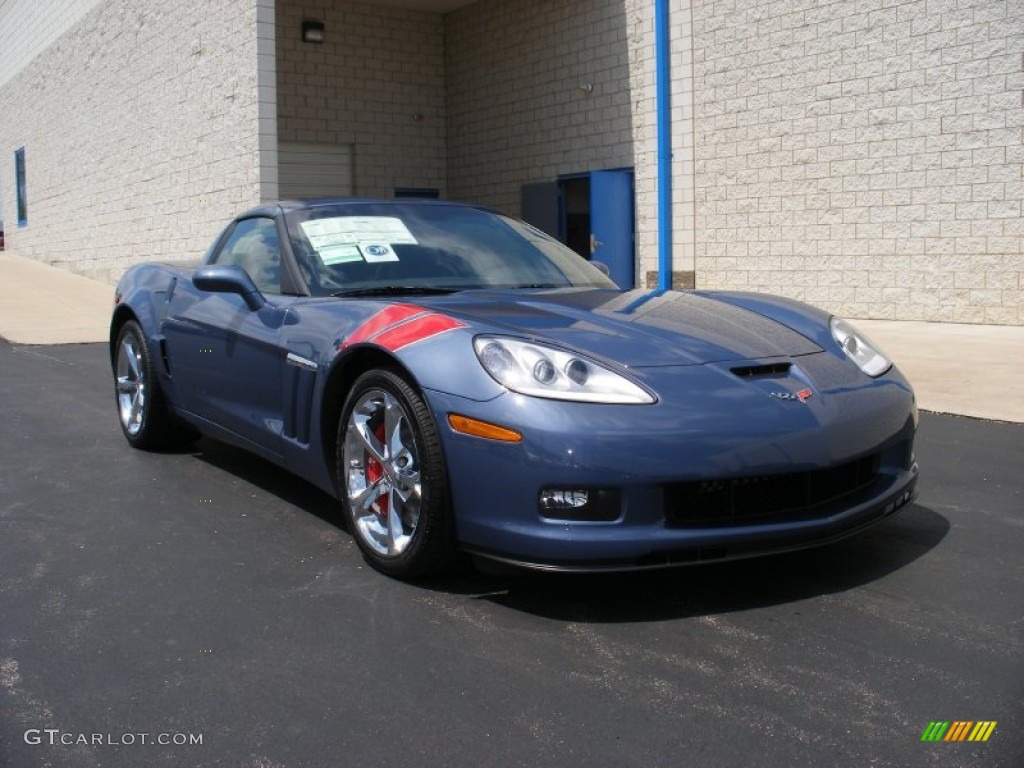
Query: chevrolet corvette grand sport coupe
point(462, 382)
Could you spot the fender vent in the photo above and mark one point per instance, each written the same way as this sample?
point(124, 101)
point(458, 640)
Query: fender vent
point(163, 356)
point(762, 371)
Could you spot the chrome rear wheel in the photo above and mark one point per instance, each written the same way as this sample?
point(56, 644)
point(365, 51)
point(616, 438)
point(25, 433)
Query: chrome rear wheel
point(145, 416)
point(130, 384)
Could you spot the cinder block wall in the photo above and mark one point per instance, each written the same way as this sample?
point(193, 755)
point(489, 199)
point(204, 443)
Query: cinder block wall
point(376, 83)
point(22, 37)
point(517, 114)
point(866, 156)
point(140, 131)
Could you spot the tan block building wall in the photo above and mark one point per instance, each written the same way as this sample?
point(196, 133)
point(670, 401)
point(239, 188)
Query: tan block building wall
point(864, 156)
point(517, 113)
point(140, 129)
point(377, 84)
point(518, 106)
point(23, 37)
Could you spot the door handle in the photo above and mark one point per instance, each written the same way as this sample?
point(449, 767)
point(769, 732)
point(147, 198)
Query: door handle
point(594, 243)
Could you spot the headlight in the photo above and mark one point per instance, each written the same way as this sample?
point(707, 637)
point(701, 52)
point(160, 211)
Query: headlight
point(859, 348)
point(543, 371)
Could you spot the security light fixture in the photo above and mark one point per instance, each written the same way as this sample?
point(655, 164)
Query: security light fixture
point(312, 31)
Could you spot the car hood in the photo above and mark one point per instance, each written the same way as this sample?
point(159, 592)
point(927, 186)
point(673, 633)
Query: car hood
point(634, 328)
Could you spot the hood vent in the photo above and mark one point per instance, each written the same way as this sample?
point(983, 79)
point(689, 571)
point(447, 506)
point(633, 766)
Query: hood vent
point(772, 370)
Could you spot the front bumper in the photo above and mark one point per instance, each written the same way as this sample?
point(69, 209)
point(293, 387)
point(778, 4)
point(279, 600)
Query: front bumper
point(658, 548)
point(643, 451)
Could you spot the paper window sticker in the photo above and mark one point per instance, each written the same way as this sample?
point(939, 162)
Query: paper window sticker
point(394, 231)
point(377, 252)
point(384, 229)
point(312, 229)
point(327, 231)
point(328, 240)
point(339, 254)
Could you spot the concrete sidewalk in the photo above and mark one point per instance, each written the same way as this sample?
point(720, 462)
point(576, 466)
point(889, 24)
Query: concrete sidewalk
point(972, 370)
point(40, 304)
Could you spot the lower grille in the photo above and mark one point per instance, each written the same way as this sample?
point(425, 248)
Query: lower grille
point(735, 501)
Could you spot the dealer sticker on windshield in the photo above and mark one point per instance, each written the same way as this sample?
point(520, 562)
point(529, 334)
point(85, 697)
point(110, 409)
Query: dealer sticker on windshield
point(339, 254)
point(368, 237)
point(374, 252)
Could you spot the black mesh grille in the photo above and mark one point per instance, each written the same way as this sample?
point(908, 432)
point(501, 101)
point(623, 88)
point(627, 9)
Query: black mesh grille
point(748, 499)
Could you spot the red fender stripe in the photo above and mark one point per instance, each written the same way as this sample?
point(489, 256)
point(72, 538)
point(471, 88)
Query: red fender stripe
point(418, 329)
point(382, 320)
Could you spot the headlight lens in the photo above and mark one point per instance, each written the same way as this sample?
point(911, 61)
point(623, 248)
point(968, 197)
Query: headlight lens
point(543, 371)
point(859, 348)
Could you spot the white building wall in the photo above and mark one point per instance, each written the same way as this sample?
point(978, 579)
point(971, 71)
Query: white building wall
point(27, 27)
point(140, 127)
point(865, 156)
point(517, 113)
point(266, 97)
point(376, 84)
point(681, 100)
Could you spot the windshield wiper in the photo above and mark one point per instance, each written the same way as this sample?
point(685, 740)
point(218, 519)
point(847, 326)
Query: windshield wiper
point(396, 290)
point(527, 286)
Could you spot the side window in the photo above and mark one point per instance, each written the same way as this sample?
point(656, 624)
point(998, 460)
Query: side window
point(254, 247)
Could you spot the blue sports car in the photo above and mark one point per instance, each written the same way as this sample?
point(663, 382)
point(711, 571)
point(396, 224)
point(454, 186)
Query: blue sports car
point(463, 382)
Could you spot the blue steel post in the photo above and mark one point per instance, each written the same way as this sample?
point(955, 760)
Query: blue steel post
point(661, 61)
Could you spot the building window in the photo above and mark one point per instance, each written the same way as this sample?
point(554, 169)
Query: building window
point(427, 193)
point(19, 180)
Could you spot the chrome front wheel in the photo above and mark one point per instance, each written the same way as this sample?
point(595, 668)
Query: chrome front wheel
point(393, 478)
point(383, 477)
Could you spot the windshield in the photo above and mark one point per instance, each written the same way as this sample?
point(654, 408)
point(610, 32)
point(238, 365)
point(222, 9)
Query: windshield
point(353, 248)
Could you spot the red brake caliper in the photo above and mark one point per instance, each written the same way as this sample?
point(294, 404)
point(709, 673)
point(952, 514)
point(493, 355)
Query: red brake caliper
point(374, 471)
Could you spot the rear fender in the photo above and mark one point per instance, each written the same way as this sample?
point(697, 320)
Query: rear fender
point(142, 294)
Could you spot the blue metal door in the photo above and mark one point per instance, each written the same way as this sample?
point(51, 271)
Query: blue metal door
point(611, 224)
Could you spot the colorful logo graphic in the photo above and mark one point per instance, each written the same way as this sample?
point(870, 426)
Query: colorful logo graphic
point(958, 730)
point(803, 395)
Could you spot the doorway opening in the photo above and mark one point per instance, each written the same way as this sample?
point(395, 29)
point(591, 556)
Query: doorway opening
point(574, 193)
point(592, 213)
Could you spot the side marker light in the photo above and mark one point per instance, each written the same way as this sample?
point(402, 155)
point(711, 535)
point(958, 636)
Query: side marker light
point(468, 426)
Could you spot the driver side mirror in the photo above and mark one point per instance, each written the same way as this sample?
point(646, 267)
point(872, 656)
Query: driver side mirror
point(229, 278)
point(602, 268)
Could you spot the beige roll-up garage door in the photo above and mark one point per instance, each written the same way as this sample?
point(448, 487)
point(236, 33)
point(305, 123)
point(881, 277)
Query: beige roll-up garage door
point(314, 170)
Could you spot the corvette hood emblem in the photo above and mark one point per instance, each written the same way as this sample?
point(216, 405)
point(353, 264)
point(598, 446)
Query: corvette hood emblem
point(803, 395)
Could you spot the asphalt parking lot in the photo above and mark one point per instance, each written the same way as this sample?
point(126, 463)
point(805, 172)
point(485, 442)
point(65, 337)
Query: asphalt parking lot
point(208, 593)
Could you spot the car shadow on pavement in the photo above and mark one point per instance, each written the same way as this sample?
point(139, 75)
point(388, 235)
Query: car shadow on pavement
point(270, 478)
point(724, 587)
point(655, 595)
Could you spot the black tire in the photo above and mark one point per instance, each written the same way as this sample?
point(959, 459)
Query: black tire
point(145, 419)
point(397, 509)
